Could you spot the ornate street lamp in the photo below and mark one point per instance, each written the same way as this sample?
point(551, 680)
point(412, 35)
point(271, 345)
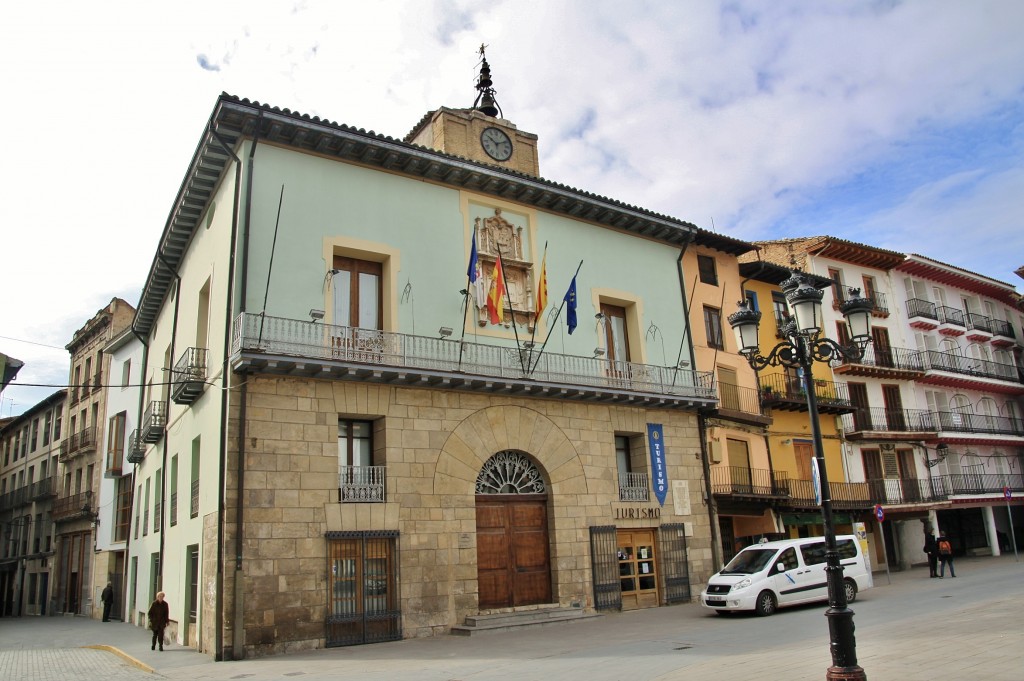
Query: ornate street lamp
point(804, 346)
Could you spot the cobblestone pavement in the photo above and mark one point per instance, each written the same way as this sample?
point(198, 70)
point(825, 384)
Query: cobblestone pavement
point(912, 629)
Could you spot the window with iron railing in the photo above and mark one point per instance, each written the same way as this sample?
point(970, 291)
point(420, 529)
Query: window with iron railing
point(194, 504)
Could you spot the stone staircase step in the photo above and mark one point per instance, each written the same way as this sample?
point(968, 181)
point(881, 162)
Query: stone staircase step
point(510, 621)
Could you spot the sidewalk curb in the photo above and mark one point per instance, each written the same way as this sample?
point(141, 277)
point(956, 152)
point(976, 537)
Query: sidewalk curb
point(124, 656)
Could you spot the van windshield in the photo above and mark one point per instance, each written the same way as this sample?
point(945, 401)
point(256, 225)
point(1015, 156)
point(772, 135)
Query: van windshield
point(748, 561)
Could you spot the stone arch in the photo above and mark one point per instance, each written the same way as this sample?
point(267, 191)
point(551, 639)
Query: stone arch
point(508, 427)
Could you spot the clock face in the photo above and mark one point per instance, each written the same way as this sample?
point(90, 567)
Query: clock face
point(496, 143)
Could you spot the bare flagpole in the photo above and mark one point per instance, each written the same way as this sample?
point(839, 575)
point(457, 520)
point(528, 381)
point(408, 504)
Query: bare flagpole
point(554, 321)
point(536, 319)
point(508, 298)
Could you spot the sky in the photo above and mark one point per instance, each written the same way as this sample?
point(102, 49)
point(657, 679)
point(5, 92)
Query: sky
point(897, 124)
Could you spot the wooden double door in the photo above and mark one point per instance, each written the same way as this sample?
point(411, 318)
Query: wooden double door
point(513, 558)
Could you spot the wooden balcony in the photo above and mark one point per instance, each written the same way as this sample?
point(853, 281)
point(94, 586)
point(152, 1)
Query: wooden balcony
point(301, 348)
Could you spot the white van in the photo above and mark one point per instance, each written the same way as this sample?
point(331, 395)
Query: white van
point(774, 574)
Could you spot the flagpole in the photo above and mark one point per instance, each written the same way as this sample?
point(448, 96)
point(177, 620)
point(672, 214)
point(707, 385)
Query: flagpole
point(508, 297)
point(536, 320)
point(465, 312)
point(554, 321)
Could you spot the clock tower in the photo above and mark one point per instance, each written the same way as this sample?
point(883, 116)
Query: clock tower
point(479, 133)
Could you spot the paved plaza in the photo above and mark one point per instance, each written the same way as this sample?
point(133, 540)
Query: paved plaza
point(913, 628)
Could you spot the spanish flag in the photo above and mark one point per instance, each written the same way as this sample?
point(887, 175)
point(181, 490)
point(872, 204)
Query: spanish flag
point(495, 299)
point(542, 284)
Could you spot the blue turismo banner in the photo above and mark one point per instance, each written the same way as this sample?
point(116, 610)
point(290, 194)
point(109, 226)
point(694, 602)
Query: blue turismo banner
point(659, 476)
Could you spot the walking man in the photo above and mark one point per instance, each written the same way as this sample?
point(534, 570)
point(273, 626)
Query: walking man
point(932, 549)
point(108, 601)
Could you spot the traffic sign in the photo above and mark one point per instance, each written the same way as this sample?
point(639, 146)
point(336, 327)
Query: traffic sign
point(1006, 493)
point(879, 513)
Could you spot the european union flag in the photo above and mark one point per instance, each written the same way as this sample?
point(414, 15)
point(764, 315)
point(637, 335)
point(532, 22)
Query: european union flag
point(471, 272)
point(570, 300)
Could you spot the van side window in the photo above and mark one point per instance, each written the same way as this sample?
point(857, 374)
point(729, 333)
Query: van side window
point(846, 549)
point(788, 559)
point(813, 553)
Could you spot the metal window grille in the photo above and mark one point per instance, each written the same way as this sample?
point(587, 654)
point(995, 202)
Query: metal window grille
point(605, 566)
point(674, 566)
point(362, 596)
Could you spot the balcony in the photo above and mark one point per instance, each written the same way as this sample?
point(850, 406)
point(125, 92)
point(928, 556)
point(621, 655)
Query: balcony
point(300, 348)
point(897, 491)
point(14, 499)
point(961, 422)
point(960, 371)
point(82, 442)
point(845, 495)
point(738, 481)
point(951, 321)
point(922, 314)
point(737, 403)
point(979, 327)
point(879, 304)
point(1003, 335)
point(43, 489)
point(876, 422)
point(73, 507)
point(154, 421)
point(361, 484)
point(634, 487)
point(883, 362)
point(136, 448)
point(189, 376)
point(786, 393)
point(97, 380)
point(970, 482)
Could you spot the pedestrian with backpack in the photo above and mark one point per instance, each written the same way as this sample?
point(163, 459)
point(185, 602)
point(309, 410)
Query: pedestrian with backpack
point(945, 556)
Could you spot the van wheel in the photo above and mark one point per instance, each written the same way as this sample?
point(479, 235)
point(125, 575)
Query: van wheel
point(850, 587)
point(766, 604)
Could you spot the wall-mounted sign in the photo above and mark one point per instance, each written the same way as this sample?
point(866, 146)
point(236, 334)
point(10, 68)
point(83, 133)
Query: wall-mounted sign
point(659, 475)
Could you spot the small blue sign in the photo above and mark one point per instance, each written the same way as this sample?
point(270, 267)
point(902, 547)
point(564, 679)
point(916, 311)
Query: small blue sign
point(659, 475)
point(879, 513)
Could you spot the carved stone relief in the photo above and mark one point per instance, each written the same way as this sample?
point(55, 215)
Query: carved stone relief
point(493, 234)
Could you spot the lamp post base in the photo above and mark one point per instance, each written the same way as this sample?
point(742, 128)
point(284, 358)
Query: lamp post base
point(845, 674)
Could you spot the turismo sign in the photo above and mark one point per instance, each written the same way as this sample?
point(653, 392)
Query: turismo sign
point(656, 443)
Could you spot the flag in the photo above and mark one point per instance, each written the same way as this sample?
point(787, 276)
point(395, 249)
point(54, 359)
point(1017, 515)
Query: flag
point(570, 308)
point(472, 272)
point(542, 285)
point(495, 299)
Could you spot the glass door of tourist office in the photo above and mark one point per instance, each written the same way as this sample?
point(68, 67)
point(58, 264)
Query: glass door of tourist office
point(638, 572)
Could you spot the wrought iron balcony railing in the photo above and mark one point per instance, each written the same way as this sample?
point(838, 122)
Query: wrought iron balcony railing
point(739, 480)
point(886, 357)
point(879, 304)
point(739, 399)
point(979, 321)
point(193, 510)
point(634, 487)
point(381, 351)
point(154, 421)
point(82, 442)
point(933, 360)
point(189, 376)
point(136, 447)
point(879, 419)
point(970, 482)
point(43, 489)
point(779, 388)
point(961, 422)
point(951, 315)
point(845, 495)
point(361, 484)
point(917, 307)
point(73, 506)
point(14, 498)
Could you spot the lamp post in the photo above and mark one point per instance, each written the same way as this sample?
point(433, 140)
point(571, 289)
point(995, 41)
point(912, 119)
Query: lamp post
point(804, 346)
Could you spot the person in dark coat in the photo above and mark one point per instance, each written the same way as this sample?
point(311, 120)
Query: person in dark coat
point(945, 556)
point(159, 615)
point(931, 548)
point(108, 601)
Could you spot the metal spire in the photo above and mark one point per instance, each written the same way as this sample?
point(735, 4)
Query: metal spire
point(485, 102)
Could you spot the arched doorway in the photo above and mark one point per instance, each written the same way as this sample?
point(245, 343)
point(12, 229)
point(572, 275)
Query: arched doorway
point(513, 557)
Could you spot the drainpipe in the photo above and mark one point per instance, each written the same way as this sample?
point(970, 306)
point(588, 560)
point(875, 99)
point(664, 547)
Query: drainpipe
point(716, 549)
point(219, 652)
point(167, 409)
point(138, 432)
